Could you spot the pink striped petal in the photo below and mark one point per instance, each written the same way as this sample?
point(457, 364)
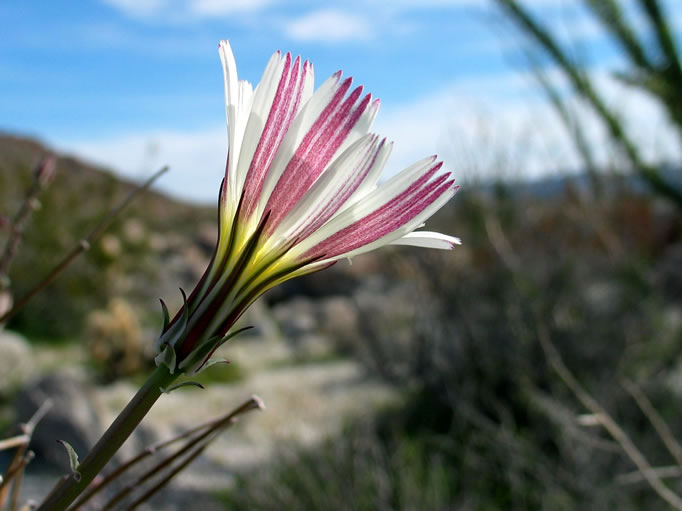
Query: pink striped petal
point(387, 218)
point(285, 106)
point(316, 150)
point(336, 186)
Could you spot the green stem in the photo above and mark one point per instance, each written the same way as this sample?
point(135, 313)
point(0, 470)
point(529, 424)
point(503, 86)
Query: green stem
point(67, 491)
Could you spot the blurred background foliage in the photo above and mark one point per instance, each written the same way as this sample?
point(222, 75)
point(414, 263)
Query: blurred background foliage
point(128, 260)
point(588, 265)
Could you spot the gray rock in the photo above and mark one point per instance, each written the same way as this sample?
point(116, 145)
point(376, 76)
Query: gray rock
point(301, 322)
point(16, 361)
point(73, 417)
point(296, 318)
point(340, 316)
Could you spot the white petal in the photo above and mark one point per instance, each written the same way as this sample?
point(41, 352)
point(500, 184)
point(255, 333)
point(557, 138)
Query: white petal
point(428, 239)
point(238, 95)
point(370, 182)
point(262, 102)
point(361, 127)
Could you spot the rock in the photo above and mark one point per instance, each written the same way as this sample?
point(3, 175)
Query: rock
point(296, 317)
point(6, 300)
point(340, 316)
point(72, 418)
point(299, 321)
point(16, 363)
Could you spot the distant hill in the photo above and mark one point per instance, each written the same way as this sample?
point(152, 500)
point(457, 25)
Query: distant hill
point(137, 257)
point(160, 244)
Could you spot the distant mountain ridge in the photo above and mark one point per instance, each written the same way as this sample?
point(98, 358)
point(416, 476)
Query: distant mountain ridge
point(128, 260)
point(160, 243)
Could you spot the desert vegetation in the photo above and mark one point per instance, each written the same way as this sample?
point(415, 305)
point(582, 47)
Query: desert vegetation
point(537, 366)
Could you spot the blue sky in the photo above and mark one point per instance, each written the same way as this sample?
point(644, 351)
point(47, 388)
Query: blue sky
point(134, 84)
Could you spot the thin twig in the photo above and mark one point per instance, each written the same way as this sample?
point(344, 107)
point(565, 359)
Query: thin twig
point(509, 258)
point(149, 451)
point(669, 472)
point(618, 434)
point(656, 420)
point(192, 456)
point(14, 441)
point(39, 414)
point(41, 178)
point(18, 479)
point(82, 245)
point(21, 458)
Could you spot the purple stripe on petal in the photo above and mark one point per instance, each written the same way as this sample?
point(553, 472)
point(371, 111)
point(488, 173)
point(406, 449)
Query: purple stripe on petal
point(332, 200)
point(310, 160)
point(282, 112)
point(342, 195)
point(387, 218)
point(380, 226)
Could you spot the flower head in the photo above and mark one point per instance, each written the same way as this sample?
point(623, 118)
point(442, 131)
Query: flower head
point(300, 192)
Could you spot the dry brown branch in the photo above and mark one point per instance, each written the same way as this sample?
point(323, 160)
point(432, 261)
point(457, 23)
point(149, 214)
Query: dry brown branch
point(511, 260)
point(656, 420)
point(637, 477)
point(14, 441)
point(42, 176)
point(201, 436)
point(611, 426)
point(21, 458)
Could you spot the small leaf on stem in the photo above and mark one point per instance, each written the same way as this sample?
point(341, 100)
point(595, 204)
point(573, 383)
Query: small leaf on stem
point(73, 459)
point(170, 389)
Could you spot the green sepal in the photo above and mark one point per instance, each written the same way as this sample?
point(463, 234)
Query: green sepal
point(175, 332)
point(198, 358)
point(234, 334)
point(170, 389)
point(166, 316)
point(211, 362)
point(185, 311)
point(195, 359)
point(73, 459)
point(167, 357)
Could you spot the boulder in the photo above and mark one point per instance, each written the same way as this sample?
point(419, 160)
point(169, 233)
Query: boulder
point(72, 418)
point(16, 361)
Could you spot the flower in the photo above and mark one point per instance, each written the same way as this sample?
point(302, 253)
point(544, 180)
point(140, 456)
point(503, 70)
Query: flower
point(300, 192)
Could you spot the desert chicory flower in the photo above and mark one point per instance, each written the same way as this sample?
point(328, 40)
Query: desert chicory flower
point(300, 192)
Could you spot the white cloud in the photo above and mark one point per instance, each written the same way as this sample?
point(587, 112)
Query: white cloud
point(223, 7)
point(138, 8)
point(196, 159)
point(481, 127)
point(182, 10)
point(328, 25)
point(475, 133)
point(502, 126)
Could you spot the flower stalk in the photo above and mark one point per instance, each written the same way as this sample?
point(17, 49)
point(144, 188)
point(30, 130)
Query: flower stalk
point(70, 488)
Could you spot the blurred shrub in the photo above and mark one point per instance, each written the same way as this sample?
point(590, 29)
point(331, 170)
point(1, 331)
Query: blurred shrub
point(356, 471)
point(126, 261)
point(457, 332)
point(115, 342)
